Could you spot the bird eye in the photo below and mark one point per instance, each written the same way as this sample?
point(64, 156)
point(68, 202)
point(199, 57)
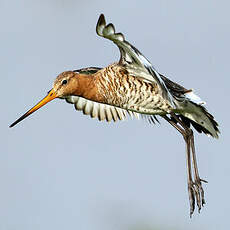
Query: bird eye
point(64, 82)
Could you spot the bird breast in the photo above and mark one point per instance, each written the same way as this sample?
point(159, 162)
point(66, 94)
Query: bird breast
point(120, 89)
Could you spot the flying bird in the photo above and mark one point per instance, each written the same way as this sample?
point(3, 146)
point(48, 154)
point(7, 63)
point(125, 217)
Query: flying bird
point(133, 86)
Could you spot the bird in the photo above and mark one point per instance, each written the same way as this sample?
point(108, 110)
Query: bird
point(132, 86)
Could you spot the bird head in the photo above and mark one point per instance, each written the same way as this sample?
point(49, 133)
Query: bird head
point(65, 84)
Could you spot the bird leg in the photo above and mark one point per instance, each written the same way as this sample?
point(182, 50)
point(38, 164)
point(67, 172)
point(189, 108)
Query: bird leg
point(195, 190)
point(197, 178)
point(191, 191)
point(197, 183)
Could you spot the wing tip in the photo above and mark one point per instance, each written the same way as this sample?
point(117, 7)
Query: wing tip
point(108, 31)
point(100, 24)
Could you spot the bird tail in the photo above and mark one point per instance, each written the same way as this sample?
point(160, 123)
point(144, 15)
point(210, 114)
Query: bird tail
point(200, 119)
point(191, 110)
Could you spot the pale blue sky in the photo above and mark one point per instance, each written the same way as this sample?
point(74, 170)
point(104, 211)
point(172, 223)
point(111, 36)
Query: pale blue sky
point(60, 169)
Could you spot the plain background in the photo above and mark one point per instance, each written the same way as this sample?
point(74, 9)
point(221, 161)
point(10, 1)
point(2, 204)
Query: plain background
point(60, 169)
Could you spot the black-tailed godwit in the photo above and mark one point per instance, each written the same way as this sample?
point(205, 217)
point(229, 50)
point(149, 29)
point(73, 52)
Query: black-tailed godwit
point(133, 86)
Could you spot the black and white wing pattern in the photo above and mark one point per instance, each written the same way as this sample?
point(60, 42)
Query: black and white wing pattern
point(99, 110)
point(135, 63)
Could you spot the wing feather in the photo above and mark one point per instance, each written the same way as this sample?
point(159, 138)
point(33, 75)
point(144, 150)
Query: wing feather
point(108, 113)
point(95, 110)
point(88, 108)
point(131, 58)
point(99, 110)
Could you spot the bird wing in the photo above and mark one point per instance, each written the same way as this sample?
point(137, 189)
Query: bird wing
point(99, 110)
point(181, 93)
point(132, 59)
point(200, 118)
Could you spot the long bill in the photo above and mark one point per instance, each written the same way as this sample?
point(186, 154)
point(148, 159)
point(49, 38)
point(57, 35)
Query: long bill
point(51, 95)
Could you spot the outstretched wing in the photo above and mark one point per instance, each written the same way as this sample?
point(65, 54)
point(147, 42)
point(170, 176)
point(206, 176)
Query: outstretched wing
point(99, 110)
point(134, 62)
point(95, 109)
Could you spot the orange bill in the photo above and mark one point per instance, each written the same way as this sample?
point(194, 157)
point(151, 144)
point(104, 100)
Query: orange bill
point(51, 95)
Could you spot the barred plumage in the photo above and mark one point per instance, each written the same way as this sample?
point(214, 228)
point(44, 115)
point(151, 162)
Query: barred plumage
point(128, 92)
point(134, 86)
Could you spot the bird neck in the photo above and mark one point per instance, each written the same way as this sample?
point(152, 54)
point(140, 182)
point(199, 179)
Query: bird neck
point(87, 87)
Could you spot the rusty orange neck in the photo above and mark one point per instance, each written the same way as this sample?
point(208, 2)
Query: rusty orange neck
point(87, 87)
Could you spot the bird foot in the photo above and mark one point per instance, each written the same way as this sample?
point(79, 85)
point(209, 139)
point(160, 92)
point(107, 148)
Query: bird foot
point(196, 194)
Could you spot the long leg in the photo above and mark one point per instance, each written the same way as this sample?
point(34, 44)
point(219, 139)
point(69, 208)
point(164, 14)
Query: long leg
point(198, 180)
point(191, 192)
point(195, 189)
point(197, 186)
